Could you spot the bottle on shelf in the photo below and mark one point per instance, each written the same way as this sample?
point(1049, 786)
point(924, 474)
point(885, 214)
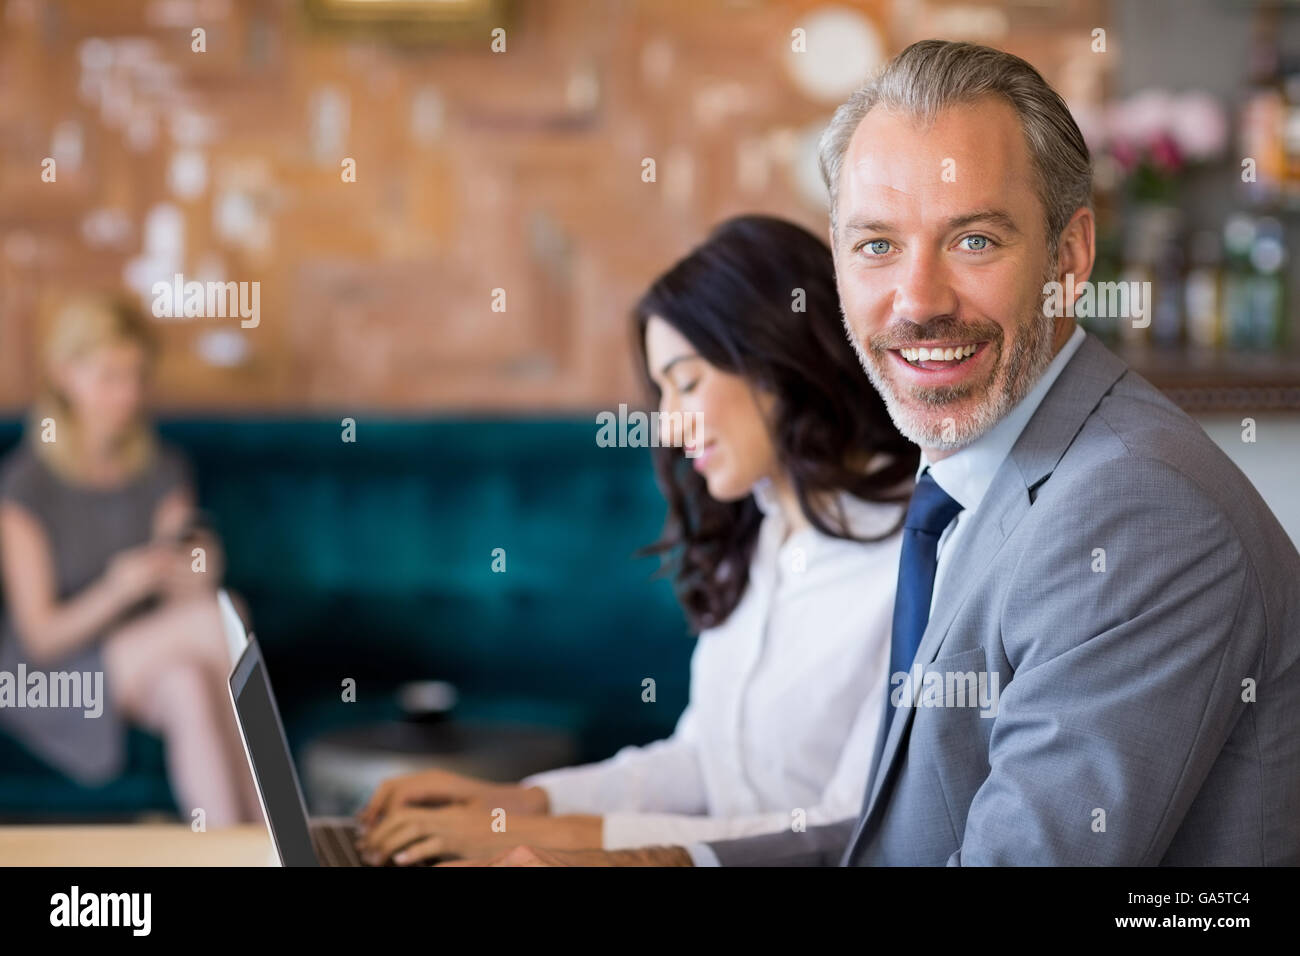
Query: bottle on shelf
point(1168, 304)
point(1203, 291)
point(1238, 318)
point(1290, 133)
point(1268, 292)
point(1152, 275)
point(1264, 113)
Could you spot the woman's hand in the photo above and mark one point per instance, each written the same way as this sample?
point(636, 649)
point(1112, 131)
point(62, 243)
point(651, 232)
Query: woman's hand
point(139, 572)
point(442, 786)
point(183, 579)
point(414, 835)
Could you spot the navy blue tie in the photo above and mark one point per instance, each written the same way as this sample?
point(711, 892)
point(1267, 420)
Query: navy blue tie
point(929, 513)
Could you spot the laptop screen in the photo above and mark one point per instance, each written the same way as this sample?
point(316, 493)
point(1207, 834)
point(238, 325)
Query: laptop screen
point(273, 769)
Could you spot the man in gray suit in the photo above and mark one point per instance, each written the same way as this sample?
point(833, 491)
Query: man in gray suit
point(1097, 641)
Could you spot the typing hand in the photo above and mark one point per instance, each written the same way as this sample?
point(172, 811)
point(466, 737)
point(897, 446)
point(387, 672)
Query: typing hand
point(437, 787)
point(417, 835)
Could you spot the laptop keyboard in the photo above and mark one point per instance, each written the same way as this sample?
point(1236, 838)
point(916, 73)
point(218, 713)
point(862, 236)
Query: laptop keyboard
point(336, 844)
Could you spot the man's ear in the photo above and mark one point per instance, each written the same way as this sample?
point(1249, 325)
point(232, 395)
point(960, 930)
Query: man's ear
point(1077, 249)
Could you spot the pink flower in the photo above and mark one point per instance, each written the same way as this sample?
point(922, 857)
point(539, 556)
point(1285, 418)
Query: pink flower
point(1139, 120)
point(1125, 155)
point(1169, 130)
point(1199, 126)
point(1165, 155)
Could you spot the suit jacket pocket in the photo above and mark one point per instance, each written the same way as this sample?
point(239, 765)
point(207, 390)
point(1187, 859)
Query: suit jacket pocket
point(958, 680)
point(949, 744)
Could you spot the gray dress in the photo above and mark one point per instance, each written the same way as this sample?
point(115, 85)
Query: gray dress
point(86, 527)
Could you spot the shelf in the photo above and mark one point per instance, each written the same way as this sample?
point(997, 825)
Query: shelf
point(1206, 381)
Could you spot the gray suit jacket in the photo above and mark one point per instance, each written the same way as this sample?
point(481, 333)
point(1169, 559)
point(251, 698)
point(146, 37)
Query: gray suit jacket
point(1148, 713)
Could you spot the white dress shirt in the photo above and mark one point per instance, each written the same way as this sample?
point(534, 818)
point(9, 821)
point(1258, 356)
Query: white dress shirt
point(785, 699)
point(966, 475)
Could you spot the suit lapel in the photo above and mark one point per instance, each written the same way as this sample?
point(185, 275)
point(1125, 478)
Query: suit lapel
point(1051, 430)
point(1006, 503)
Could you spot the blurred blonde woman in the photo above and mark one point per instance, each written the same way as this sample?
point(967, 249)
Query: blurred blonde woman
point(97, 527)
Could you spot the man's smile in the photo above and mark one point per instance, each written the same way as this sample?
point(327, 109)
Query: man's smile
point(941, 363)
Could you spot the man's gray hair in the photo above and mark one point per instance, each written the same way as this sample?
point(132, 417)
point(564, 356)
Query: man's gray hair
point(932, 75)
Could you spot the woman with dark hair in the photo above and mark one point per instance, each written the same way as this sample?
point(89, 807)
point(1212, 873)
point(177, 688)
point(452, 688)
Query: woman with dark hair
point(782, 536)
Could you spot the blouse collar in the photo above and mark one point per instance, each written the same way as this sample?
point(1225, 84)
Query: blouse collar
point(865, 518)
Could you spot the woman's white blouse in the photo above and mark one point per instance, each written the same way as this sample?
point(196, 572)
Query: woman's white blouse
point(785, 700)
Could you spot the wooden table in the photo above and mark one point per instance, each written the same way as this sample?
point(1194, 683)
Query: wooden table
point(167, 844)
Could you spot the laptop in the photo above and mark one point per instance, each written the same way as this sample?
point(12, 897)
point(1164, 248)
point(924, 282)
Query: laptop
point(299, 840)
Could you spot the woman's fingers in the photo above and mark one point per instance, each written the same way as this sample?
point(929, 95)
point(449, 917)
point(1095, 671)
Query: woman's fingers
point(392, 833)
point(390, 797)
point(378, 804)
point(458, 830)
point(394, 839)
point(427, 787)
point(421, 850)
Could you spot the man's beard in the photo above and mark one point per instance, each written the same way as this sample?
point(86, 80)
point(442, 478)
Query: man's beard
point(920, 417)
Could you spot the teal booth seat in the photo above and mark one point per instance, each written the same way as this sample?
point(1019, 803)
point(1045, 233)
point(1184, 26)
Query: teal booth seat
point(373, 561)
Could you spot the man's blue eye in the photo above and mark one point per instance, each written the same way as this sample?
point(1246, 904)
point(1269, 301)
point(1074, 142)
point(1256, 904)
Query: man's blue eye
point(878, 246)
point(982, 243)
